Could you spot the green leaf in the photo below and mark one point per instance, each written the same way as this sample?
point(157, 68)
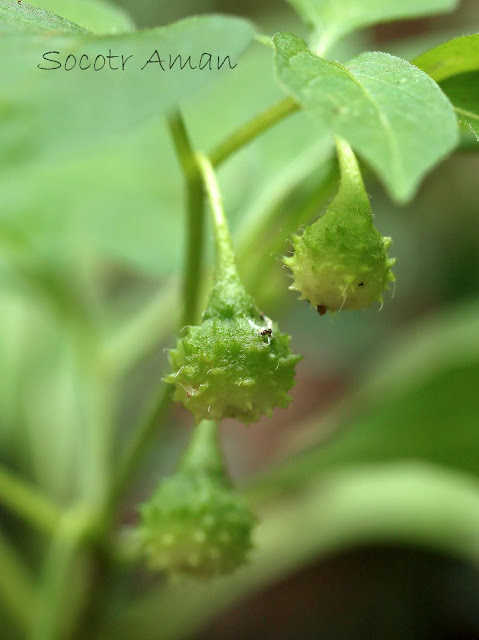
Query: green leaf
point(459, 55)
point(455, 65)
point(44, 113)
point(23, 18)
point(95, 15)
point(463, 91)
point(335, 18)
point(390, 112)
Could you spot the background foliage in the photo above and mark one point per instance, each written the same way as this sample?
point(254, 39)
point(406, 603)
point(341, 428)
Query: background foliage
point(381, 445)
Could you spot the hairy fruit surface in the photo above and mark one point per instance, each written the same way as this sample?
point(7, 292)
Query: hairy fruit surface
point(340, 261)
point(196, 523)
point(235, 364)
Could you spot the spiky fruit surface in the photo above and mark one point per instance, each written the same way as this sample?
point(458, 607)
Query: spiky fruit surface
point(197, 525)
point(341, 262)
point(236, 364)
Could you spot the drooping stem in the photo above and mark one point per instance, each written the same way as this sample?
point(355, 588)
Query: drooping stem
point(203, 452)
point(252, 129)
point(225, 258)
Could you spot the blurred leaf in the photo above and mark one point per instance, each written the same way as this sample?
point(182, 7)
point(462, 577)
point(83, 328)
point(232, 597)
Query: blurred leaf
point(401, 503)
point(419, 402)
point(391, 113)
point(23, 18)
point(95, 15)
point(459, 55)
point(463, 91)
point(45, 114)
point(455, 65)
point(335, 18)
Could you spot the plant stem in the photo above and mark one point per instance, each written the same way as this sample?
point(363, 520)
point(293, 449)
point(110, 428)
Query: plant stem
point(225, 257)
point(148, 425)
point(51, 619)
point(252, 129)
point(28, 502)
point(16, 585)
point(203, 452)
point(143, 434)
point(195, 221)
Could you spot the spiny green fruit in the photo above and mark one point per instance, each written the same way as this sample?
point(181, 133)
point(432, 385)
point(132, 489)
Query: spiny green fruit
point(341, 262)
point(236, 363)
point(195, 523)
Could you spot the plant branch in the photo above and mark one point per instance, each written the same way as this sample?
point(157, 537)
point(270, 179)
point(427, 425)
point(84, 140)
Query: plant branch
point(28, 503)
point(148, 425)
point(252, 129)
point(143, 434)
point(16, 585)
point(195, 220)
point(54, 606)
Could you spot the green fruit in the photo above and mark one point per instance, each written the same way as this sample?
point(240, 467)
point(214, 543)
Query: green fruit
point(341, 262)
point(195, 523)
point(236, 363)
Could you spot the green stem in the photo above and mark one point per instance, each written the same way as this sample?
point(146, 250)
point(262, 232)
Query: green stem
point(51, 620)
point(16, 585)
point(148, 426)
point(203, 452)
point(225, 257)
point(195, 222)
point(252, 129)
point(28, 503)
point(143, 434)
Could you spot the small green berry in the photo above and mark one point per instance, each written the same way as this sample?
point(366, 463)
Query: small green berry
point(195, 523)
point(341, 262)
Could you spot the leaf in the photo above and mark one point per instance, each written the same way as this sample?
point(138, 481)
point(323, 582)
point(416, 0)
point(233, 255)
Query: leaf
point(463, 91)
point(95, 15)
point(24, 18)
point(46, 113)
point(455, 65)
point(391, 113)
point(451, 58)
point(335, 18)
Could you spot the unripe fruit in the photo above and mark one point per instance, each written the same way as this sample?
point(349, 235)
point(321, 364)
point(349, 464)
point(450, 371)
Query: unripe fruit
point(195, 523)
point(236, 363)
point(341, 262)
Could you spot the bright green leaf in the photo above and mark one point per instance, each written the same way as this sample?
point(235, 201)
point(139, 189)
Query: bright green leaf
point(459, 55)
point(95, 15)
point(23, 18)
point(335, 18)
point(390, 112)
